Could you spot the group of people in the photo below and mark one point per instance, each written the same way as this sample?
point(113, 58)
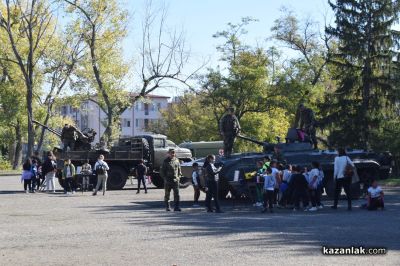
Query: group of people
point(36, 174)
point(278, 185)
point(171, 173)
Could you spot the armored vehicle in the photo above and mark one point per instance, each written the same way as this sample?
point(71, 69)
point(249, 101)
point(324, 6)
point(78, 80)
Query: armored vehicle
point(201, 149)
point(369, 164)
point(123, 156)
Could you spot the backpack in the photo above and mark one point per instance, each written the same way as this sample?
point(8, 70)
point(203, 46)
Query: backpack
point(101, 169)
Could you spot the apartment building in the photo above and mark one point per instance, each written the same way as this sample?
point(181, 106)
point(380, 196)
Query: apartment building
point(133, 121)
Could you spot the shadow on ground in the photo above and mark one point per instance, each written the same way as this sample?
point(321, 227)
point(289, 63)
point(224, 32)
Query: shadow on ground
point(308, 231)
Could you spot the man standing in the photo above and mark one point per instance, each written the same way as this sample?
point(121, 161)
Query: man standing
point(171, 173)
point(68, 137)
point(307, 121)
point(101, 168)
point(229, 128)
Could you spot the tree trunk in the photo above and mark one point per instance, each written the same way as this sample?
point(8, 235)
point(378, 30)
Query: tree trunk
point(42, 132)
point(18, 146)
point(31, 130)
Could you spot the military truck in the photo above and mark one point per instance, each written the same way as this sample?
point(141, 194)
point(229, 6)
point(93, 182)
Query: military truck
point(369, 164)
point(123, 156)
point(201, 149)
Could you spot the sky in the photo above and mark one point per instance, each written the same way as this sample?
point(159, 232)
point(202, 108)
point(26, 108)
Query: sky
point(200, 19)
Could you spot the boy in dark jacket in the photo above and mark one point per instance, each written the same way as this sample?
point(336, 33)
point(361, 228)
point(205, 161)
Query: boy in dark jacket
point(299, 186)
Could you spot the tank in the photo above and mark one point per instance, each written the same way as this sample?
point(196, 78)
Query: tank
point(369, 164)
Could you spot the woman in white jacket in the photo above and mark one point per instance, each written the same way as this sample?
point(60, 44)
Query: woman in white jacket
point(341, 180)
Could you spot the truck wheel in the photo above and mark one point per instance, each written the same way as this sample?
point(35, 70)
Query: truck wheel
point(184, 182)
point(117, 177)
point(157, 180)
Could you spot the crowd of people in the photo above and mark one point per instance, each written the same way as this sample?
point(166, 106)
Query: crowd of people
point(275, 185)
point(37, 175)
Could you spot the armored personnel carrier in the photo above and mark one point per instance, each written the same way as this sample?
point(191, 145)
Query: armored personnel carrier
point(123, 156)
point(369, 164)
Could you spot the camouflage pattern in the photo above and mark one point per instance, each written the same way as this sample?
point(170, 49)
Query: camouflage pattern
point(171, 171)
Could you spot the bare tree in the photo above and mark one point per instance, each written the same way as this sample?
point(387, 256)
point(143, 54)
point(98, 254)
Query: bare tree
point(163, 53)
point(32, 22)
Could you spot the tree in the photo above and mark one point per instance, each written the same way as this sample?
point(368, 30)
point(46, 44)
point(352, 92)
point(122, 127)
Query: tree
point(60, 61)
point(366, 70)
point(29, 28)
point(103, 26)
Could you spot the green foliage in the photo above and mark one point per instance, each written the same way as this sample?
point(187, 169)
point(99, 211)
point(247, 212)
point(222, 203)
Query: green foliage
point(4, 163)
point(367, 77)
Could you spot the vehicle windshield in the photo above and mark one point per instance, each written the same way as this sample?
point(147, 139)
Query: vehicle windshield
point(158, 143)
point(170, 143)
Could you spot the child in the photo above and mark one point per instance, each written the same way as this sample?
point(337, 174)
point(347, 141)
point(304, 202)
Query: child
point(68, 173)
point(269, 186)
point(26, 176)
point(286, 175)
point(320, 186)
point(259, 184)
point(86, 172)
point(34, 171)
point(375, 197)
point(313, 185)
point(196, 184)
point(276, 175)
point(299, 185)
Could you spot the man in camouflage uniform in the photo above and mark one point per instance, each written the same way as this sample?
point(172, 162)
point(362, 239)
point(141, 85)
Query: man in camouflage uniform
point(171, 173)
point(278, 156)
point(229, 128)
point(307, 121)
point(68, 137)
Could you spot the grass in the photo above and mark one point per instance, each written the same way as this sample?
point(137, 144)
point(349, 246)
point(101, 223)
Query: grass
point(390, 182)
point(10, 172)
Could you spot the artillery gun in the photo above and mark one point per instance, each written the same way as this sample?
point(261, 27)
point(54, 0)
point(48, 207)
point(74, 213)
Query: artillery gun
point(369, 164)
point(123, 156)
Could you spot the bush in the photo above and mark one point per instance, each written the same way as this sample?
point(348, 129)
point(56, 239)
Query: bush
point(4, 164)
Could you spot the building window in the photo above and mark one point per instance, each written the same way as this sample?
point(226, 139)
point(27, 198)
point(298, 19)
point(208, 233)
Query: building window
point(136, 106)
point(137, 122)
point(146, 109)
point(126, 123)
point(146, 124)
point(158, 106)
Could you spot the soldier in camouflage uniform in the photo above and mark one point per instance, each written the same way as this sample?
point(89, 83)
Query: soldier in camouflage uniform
point(307, 123)
point(229, 128)
point(171, 173)
point(68, 137)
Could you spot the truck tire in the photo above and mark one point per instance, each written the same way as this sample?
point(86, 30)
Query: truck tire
point(117, 177)
point(156, 180)
point(184, 182)
point(146, 150)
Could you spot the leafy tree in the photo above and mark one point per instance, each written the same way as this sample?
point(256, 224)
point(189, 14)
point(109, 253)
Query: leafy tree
point(103, 26)
point(366, 70)
point(29, 27)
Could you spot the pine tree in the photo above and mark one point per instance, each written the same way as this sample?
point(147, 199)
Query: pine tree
point(365, 65)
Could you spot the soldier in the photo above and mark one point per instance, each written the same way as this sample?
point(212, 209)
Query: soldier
point(307, 123)
point(229, 128)
point(278, 156)
point(171, 173)
point(68, 137)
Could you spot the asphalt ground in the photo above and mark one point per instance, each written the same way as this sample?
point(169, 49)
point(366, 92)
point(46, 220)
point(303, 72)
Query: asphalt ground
point(123, 228)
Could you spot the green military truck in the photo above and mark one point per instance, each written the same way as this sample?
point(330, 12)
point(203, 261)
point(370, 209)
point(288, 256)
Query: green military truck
point(123, 156)
point(201, 149)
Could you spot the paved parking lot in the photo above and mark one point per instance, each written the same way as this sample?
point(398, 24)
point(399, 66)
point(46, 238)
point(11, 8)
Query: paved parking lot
point(123, 228)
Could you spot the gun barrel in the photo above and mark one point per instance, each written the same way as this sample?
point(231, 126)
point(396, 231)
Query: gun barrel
point(251, 140)
point(46, 127)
